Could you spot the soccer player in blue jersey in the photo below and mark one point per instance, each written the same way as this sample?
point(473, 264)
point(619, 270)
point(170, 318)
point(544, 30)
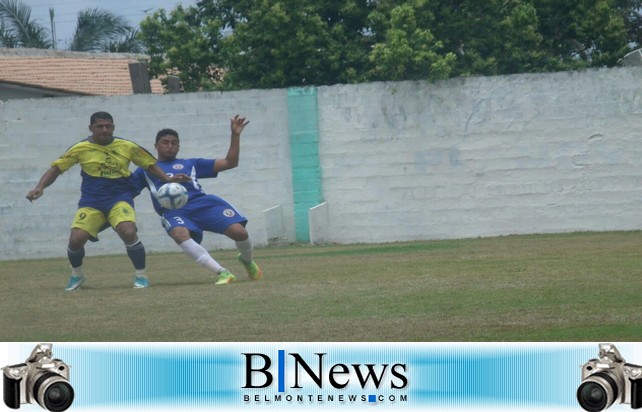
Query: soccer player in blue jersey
point(202, 212)
point(107, 193)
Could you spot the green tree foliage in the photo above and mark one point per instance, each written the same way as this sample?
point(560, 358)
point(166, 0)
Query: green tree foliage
point(187, 44)
point(96, 30)
point(589, 33)
point(18, 29)
point(130, 43)
point(239, 44)
point(408, 51)
point(488, 37)
point(279, 43)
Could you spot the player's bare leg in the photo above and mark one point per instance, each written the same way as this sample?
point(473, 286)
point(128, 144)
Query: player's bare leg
point(78, 238)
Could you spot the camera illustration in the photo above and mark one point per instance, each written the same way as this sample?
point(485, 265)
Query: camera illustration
point(608, 380)
point(41, 379)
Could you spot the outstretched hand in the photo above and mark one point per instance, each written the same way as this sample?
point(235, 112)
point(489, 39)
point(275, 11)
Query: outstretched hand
point(237, 124)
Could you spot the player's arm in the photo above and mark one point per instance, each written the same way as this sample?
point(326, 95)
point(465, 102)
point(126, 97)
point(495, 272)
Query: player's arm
point(158, 172)
point(139, 180)
point(237, 124)
point(142, 158)
point(46, 180)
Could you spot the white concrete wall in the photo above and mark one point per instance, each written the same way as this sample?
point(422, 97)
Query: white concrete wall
point(483, 156)
point(400, 161)
point(35, 132)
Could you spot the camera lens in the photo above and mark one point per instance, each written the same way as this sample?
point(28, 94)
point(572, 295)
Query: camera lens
point(58, 396)
point(597, 392)
point(592, 396)
point(53, 392)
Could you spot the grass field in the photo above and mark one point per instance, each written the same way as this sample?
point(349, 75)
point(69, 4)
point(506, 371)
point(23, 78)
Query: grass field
point(566, 287)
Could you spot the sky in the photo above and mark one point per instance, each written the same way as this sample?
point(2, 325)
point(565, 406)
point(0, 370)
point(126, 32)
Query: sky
point(66, 12)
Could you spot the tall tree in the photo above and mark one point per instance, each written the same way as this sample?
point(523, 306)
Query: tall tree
point(592, 33)
point(406, 50)
point(278, 43)
point(97, 29)
point(297, 51)
point(186, 44)
point(632, 12)
point(261, 44)
point(128, 44)
point(18, 29)
point(486, 37)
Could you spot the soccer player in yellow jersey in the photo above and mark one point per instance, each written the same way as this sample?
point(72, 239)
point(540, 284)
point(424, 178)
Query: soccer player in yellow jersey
point(106, 193)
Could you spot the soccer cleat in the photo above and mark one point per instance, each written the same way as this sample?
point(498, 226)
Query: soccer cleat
point(225, 276)
point(253, 270)
point(141, 282)
point(74, 283)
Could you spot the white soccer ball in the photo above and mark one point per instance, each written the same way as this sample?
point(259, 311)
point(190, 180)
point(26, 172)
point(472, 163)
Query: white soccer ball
point(172, 195)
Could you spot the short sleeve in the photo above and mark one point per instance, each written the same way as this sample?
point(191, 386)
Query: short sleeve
point(67, 160)
point(141, 157)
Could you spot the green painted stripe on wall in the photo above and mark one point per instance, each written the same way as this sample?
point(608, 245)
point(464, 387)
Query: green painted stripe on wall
point(303, 126)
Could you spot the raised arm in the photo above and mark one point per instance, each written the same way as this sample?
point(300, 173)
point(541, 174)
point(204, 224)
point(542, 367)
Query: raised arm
point(46, 180)
point(237, 124)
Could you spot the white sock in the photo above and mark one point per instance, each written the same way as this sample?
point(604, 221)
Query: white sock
point(200, 255)
point(78, 272)
point(141, 273)
point(246, 248)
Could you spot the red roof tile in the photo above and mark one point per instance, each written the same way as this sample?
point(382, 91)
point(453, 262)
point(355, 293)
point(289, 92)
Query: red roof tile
point(73, 72)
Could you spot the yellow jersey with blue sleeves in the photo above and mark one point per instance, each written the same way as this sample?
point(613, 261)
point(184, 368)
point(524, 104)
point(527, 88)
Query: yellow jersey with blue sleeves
point(106, 178)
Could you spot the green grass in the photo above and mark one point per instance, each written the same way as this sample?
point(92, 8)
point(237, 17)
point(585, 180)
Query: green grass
point(565, 287)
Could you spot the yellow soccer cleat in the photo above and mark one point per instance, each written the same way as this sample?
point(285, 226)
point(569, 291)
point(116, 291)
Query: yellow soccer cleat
point(225, 276)
point(253, 270)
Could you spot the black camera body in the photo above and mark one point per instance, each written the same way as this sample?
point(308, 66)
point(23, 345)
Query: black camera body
point(41, 379)
point(608, 380)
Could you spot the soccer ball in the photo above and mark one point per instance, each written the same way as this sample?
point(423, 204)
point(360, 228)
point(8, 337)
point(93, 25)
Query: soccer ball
point(172, 195)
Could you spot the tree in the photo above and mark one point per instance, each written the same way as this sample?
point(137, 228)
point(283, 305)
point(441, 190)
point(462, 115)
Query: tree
point(479, 37)
point(593, 33)
point(18, 29)
point(632, 12)
point(407, 52)
point(96, 30)
point(321, 42)
point(297, 52)
point(278, 43)
point(184, 44)
point(517, 36)
point(128, 44)
point(267, 43)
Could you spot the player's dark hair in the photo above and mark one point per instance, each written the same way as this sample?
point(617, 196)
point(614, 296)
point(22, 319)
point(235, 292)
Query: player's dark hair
point(166, 132)
point(100, 116)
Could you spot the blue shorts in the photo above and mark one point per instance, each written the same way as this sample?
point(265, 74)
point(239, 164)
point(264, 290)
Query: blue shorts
point(206, 213)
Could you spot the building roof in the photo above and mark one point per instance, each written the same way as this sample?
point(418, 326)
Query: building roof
point(71, 72)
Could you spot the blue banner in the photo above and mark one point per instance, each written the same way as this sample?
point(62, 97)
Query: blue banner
point(320, 376)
